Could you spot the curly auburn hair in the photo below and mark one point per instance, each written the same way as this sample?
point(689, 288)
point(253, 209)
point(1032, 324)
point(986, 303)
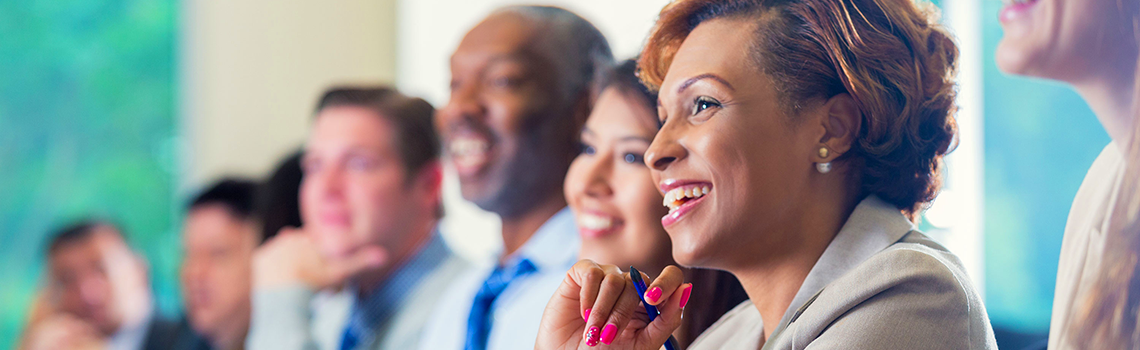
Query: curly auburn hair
point(890, 56)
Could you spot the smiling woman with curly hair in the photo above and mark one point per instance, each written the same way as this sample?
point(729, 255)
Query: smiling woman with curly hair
point(800, 139)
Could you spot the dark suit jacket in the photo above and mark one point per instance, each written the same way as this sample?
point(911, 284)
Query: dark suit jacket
point(165, 334)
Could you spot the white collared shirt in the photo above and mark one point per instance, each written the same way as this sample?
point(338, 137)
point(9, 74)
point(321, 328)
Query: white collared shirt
point(517, 312)
point(132, 336)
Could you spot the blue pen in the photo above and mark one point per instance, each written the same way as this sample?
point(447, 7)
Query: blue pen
point(639, 284)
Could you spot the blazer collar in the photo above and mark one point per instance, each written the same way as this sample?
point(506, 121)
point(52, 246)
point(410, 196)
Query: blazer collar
point(873, 226)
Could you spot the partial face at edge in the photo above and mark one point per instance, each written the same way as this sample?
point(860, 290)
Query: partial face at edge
point(82, 275)
point(1064, 40)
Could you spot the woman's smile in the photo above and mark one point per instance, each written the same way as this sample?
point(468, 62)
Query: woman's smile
point(681, 197)
point(596, 224)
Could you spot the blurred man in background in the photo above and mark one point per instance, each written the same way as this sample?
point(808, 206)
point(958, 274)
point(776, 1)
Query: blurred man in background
point(367, 265)
point(219, 236)
point(97, 295)
point(521, 89)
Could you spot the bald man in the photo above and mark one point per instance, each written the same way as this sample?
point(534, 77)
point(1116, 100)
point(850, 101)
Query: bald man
point(520, 93)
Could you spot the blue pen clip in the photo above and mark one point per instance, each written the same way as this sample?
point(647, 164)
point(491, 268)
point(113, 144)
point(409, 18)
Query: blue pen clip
point(639, 284)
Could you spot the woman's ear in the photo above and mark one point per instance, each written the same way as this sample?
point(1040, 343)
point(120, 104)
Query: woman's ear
point(840, 126)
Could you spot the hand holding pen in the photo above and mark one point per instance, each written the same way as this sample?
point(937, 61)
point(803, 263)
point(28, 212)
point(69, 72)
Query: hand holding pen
point(600, 306)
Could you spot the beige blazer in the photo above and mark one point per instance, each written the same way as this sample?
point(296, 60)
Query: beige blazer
point(1083, 244)
point(879, 285)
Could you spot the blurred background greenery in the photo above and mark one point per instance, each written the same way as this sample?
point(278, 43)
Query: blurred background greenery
point(87, 93)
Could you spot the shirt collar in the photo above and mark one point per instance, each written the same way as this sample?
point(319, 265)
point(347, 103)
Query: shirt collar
point(382, 303)
point(554, 246)
point(873, 226)
point(131, 336)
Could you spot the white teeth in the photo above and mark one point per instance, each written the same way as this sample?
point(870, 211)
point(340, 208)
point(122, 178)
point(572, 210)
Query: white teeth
point(594, 222)
point(467, 146)
point(468, 152)
point(674, 198)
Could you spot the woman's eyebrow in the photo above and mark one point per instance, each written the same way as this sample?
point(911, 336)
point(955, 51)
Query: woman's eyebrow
point(689, 82)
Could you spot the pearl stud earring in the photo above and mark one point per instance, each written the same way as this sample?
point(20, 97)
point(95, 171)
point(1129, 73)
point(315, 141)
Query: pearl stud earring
point(824, 167)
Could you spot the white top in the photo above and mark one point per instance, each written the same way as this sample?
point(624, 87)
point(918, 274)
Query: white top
point(132, 336)
point(518, 310)
point(879, 285)
point(1083, 244)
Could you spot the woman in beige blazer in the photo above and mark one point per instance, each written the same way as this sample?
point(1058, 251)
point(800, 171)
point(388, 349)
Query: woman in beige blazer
point(800, 138)
point(1093, 45)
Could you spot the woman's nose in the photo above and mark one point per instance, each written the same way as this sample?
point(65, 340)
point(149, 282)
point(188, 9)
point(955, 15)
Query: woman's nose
point(598, 172)
point(664, 150)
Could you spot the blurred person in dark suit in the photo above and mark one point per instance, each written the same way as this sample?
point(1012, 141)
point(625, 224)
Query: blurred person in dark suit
point(97, 295)
point(219, 236)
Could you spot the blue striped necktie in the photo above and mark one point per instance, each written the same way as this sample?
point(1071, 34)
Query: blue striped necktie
point(479, 322)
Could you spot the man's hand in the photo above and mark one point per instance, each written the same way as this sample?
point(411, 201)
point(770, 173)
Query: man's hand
point(61, 331)
point(292, 258)
point(127, 273)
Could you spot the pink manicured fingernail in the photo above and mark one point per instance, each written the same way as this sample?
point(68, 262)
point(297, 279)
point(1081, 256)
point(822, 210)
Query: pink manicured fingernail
point(685, 296)
point(592, 336)
point(609, 333)
point(587, 315)
point(653, 294)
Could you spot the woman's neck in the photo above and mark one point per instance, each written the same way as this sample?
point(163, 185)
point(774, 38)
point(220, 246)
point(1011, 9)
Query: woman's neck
point(772, 288)
point(1112, 101)
point(1111, 94)
point(772, 284)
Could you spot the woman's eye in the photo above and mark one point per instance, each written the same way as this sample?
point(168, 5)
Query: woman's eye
point(634, 158)
point(586, 149)
point(704, 102)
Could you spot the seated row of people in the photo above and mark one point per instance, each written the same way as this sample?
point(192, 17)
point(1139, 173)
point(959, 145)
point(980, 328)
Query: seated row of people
point(779, 151)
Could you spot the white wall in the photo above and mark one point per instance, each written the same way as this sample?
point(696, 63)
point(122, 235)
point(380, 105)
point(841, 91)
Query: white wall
point(252, 70)
point(428, 32)
point(960, 210)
